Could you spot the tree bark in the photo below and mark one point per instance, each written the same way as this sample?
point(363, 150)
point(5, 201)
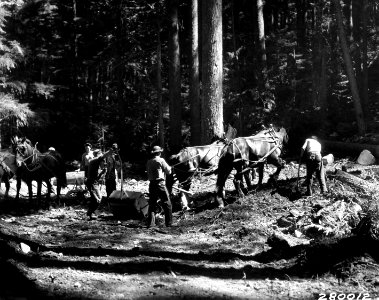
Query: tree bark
point(347, 13)
point(300, 23)
point(174, 79)
point(212, 72)
point(349, 70)
point(194, 89)
point(364, 84)
point(319, 61)
point(159, 87)
point(261, 36)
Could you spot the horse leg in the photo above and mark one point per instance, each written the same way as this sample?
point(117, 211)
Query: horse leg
point(30, 191)
point(18, 187)
point(48, 186)
point(238, 180)
point(39, 188)
point(222, 176)
point(7, 187)
point(59, 194)
point(248, 178)
point(260, 175)
point(183, 196)
point(279, 164)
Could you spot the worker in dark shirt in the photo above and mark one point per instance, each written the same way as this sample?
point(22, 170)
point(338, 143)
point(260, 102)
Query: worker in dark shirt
point(95, 171)
point(157, 168)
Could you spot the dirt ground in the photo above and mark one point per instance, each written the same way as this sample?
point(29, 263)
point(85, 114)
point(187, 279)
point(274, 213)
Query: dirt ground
point(262, 246)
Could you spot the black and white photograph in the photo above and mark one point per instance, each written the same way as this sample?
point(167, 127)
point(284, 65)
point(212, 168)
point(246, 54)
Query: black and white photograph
point(189, 149)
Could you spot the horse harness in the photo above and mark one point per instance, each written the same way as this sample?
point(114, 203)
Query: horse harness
point(198, 170)
point(37, 162)
point(272, 139)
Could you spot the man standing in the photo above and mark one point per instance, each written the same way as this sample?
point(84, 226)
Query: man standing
point(95, 171)
point(86, 157)
point(311, 151)
point(157, 169)
point(113, 165)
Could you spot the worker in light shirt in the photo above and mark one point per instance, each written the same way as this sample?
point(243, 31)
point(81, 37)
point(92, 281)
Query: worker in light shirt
point(311, 154)
point(157, 169)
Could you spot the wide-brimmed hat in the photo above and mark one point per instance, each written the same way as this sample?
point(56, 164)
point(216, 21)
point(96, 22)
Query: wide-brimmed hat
point(156, 149)
point(87, 144)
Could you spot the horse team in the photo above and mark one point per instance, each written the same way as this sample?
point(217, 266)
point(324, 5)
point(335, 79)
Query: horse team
point(29, 164)
point(222, 156)
point(242, 154)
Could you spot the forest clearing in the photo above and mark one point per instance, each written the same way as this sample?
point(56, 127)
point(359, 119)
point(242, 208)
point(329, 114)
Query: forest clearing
point(271, 244)
point(117, 87)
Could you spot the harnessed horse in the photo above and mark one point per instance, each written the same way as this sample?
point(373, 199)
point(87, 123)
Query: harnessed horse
point(41, 167)
point(8, 168)
point(192, 161)
point(244, 153)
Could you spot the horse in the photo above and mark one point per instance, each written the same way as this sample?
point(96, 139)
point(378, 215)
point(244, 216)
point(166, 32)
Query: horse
point(244, 153)
point(190, 162)
point(8, 168)
point(40, 167)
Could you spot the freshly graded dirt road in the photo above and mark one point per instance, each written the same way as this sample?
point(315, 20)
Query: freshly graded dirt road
point(210, 253)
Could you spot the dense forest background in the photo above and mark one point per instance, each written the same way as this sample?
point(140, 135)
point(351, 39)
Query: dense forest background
point(105, 71)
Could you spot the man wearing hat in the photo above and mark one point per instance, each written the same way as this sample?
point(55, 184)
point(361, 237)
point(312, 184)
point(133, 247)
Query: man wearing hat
point(113, 164)
point(86, 157)
point(95, 171)
point(311, 151)
point(157, 169)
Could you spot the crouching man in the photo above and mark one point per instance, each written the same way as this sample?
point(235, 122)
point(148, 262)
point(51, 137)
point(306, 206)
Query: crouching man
point(311, 154)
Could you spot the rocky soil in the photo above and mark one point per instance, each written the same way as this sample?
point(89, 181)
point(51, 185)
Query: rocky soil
point(271, 244)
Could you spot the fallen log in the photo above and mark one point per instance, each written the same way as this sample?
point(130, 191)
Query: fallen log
point(353, 167)
point(355, 182)
point(350, 148)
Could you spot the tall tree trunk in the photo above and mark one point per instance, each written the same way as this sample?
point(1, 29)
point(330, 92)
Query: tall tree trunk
point(348, 16)
point(261, 37)
point(174, 78)
point(319, 60)
point(356, 29)
point(212, 72)
point(300, 24)
point(364, 84)
point(237, 75)
point(349, 70)
point(159, 87)
point(120, 75)
point(74, 50)
point(194, 89)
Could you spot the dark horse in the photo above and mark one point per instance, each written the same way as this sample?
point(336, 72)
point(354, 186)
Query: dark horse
point(8, 167)
point(40, 167)
point(244, 153)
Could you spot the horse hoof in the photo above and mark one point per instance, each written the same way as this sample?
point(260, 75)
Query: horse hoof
point(220, 203)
